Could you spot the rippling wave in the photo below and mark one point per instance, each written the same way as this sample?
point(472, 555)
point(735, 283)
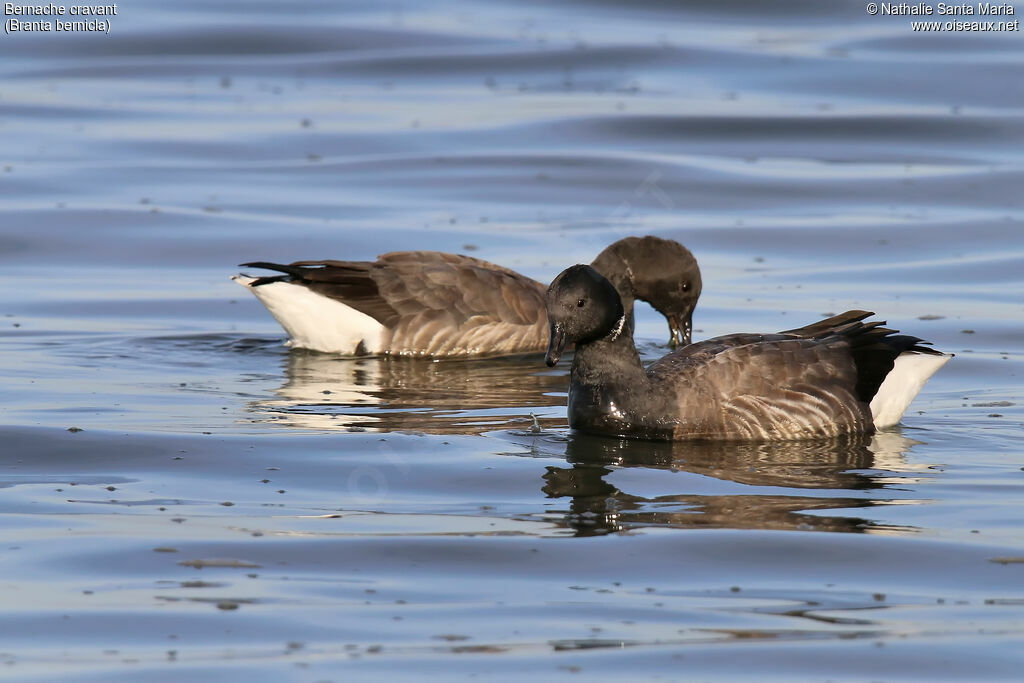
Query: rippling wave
point(227, 507)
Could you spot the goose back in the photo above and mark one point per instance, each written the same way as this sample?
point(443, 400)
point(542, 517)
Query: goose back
point(432, 303)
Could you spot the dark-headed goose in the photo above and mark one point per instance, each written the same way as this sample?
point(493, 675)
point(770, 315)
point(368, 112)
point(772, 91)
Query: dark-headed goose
point(837, 376)
point(429, 303)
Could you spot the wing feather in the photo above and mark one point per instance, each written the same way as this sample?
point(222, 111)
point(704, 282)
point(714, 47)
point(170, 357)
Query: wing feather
point(449, 304)
point(433, 303)
point(765, 387)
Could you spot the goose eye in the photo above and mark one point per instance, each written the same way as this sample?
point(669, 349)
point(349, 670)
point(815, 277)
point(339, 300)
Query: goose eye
point(581, 303)
point(686, 286)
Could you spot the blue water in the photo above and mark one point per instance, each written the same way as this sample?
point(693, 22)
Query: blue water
point(227, 509)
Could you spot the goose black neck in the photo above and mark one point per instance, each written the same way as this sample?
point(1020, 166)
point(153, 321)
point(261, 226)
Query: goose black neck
point(610, 361)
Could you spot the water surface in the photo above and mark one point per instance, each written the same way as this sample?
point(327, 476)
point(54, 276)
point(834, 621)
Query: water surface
point(181, 497)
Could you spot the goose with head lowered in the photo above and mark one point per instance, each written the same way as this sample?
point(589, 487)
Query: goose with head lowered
point(837, 376)
point(430, 303)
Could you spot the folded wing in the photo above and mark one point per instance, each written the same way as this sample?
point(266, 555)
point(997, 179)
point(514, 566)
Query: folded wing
point(431, 303)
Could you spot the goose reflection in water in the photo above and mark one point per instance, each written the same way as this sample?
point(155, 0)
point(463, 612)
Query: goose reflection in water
point(449, 396)
point(325, 392)
point(854, 464)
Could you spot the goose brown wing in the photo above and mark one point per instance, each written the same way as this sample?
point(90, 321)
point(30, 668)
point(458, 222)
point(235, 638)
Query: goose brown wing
point(778, 386)
point(435, 303)
point(468, 288)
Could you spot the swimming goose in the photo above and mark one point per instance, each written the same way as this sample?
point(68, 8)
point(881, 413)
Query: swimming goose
point(837, 376)
point(429, 303)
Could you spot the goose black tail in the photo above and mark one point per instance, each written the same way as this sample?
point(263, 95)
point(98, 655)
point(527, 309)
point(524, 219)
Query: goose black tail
point(874, 348)
point(290, 272)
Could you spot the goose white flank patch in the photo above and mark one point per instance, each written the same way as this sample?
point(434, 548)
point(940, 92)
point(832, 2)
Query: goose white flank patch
point(836, 376)
point(316, 322)
point(430, 303)
point(911, 370)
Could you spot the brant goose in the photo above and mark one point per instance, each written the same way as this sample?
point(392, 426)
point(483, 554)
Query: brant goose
point(836, 376)
point(429, 303)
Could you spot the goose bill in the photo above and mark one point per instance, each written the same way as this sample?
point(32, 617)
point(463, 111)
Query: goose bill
point(680, 329)
point(556, 344)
